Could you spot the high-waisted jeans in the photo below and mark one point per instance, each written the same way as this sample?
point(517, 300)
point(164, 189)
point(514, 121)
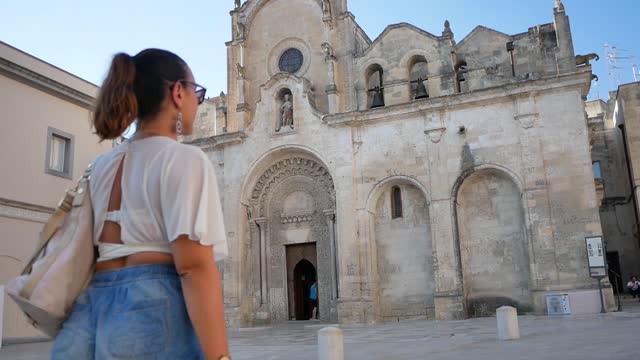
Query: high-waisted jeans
point(133, 313)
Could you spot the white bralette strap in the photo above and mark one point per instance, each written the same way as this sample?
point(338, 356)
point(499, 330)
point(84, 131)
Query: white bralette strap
point(114, 216)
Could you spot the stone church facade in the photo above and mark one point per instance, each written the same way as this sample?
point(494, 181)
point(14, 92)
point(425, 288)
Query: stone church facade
point(412, 176)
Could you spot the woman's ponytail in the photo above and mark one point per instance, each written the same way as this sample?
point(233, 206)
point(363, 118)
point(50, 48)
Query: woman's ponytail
point(116, 106)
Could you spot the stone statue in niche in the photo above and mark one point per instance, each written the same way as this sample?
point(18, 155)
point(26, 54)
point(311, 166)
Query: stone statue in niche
point(328, 51)
point(240, 31)
point(326, 9)
point(286, 113)
point(241, 72)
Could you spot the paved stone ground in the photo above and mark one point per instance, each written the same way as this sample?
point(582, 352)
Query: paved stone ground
point(610, 336)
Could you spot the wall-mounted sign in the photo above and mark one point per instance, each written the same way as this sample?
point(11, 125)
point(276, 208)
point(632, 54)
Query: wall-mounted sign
point(596, 257)
point(558, 304)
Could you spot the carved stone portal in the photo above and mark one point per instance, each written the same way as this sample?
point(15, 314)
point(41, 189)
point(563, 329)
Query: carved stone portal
point(293, 196)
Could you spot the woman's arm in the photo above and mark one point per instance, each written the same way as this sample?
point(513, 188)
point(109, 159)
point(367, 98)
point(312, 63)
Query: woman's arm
point(201, 286)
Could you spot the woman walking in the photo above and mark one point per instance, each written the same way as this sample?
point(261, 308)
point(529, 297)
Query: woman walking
point(158, 225)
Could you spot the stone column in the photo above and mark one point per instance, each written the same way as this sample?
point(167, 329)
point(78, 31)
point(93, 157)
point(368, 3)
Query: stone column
point(332, 89)
point(258, 237)
point(242, 108)
point(449, 294)
point(332, 93)
point(538, 213)
point(262, 225)
point(330, 218)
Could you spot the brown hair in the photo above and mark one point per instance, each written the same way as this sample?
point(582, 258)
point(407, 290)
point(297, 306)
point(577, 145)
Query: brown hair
point(135, 88)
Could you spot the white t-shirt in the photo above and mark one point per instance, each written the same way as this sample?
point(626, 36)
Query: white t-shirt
point(168, 189)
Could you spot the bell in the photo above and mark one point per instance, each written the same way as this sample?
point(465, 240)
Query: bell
point(378, 98)
point(421, 91)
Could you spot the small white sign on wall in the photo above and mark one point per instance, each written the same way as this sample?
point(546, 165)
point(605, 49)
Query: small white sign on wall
point(558, 304)
point(595, 252)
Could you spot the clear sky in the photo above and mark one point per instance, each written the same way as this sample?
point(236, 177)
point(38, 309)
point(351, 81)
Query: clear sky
point(80, 36)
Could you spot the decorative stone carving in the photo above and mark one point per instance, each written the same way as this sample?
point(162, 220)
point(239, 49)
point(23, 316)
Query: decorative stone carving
point(328, 52)
point(292, 167)
point(527, 120)
point(290, 43)
point(326, 13)
point(238, 3)
point(583, 60)
point(447, 33)
point(435, 135)
point(296, 218)
point(326, 9)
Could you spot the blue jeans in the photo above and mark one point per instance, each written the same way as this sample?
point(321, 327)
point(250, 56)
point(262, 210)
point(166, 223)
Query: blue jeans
point(132, 313)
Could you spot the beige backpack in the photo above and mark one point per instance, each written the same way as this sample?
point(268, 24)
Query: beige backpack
point(62, 265)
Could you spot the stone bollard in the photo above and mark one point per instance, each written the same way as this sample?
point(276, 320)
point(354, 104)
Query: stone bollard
point(508, 328)
point(330, 344)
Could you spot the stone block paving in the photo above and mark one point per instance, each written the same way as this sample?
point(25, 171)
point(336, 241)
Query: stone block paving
point(608, 336)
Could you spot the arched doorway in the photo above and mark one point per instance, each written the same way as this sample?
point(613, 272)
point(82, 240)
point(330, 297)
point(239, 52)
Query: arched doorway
point(291, 217)
point(304, 275)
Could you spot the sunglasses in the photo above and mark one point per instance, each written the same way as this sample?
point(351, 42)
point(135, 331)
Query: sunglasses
point(198, 89)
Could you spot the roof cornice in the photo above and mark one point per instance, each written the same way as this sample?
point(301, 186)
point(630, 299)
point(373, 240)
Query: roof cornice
point(55, 88)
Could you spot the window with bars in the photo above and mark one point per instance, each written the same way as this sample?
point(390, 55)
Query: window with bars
point(59, 157)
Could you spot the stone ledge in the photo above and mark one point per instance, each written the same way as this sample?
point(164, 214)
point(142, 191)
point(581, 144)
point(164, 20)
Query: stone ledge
point(46, 84)
point(24, 211)
point(216, 141)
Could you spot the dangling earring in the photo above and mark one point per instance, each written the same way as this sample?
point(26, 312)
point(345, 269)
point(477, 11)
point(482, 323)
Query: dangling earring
point(179, 123)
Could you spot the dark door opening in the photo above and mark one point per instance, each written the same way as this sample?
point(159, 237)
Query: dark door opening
point(613, 266)
point(304, 275)
point(301, 274)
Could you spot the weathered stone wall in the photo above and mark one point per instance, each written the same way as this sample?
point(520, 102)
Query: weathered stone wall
point(493, 243)
point(404, 256)
point(530, 128)
point(617, 213)
point(521, 133)
point(627, 113)
point(206, 123)
point(481, 60)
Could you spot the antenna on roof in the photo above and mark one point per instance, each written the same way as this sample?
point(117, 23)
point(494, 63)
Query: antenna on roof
point(614, 58)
